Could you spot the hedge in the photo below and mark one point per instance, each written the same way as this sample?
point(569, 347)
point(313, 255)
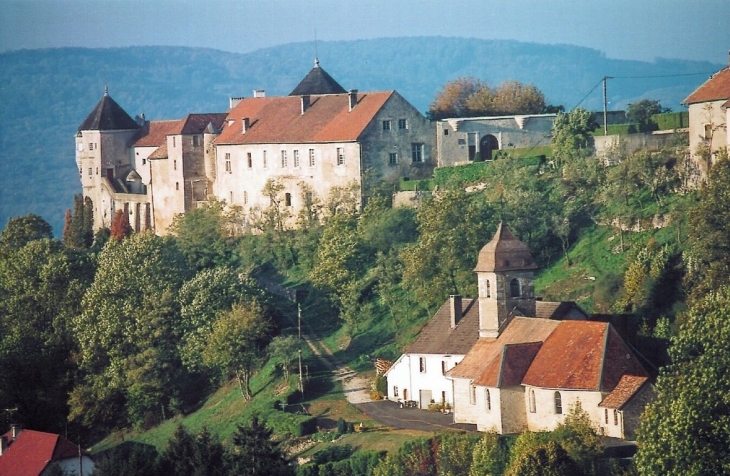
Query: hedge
point(671, 120)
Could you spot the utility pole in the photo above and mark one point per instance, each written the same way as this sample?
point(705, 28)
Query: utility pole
point(605, 106)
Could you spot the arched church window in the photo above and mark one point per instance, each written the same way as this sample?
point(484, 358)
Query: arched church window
point(514, 288)
point(488, 399)
point(558, 403)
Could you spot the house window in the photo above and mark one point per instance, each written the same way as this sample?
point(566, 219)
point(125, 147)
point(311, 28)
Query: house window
point(249, 159)
point(97, 171)
point(393, 158)
point(533, 409)
point(245, 197)
point(284, 160)
point(615, 417)
point(91, 171)
point(443, 367)
point(287, 199)
point(231, 196)
point(443, 396)
point(296, 158)
point(422, 364)
point(228, 163)
point(489, 289)
point(558, 403)
point(402, 124)
point(386, 125)
point(177, 185)
point(196, 141)
point(417, 152)
point(265, 164)
point(340, 156)
point(174, 164)
point(395, 390)
point(487, 399)
point(472, 394)
point(514, 288)
point(144, 161)
point(311, 157)
point(708, 131)
point(606, 413)
point(91, 146)
point(173, 141)
point(446, 132)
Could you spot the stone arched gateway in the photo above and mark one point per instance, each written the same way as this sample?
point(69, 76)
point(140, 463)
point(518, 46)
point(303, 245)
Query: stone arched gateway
point(487, 144)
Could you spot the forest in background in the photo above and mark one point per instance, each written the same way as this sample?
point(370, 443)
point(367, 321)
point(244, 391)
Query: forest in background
point(46, 94)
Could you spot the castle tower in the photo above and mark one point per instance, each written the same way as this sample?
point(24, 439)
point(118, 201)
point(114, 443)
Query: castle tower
point(505, 275)
point(102, 155)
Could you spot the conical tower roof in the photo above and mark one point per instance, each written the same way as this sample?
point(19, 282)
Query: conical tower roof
point(505, 253)
point(108, 116)
point(317, 81)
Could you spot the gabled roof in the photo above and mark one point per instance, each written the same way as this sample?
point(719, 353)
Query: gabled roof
point(557, 309)
point(279, 120)
point(505, 253)
point(627, 387)
point(582, 355)
point(714, 89)
point(154, 133)
point(317, 81)
point(485, 363)
point(438, 337)
point(32, 451)
point(159, 153)
point(198, 123)
point(108, 116)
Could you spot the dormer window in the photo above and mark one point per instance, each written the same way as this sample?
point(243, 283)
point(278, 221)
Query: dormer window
point(514, 288)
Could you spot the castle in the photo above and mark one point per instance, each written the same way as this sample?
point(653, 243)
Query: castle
point(317, 139)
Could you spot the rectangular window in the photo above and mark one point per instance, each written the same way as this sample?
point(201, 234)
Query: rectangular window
point(402, 124)
point(173, 141)
point(196, 141)
point(228, 163)
point(311, 157)
point(91, 171)
point(284, 160)
point(393, 158)
point(446, 132)
point(287, 199)
point(249, 159)
point(443, 367)
point(417, 152)
point(245, 197)
point(265, 159)
point(422, 364)
point(473, 394)
point(340, 156)
point(91, 146)
point(386, 125)
point(174, 164)
point(395, 390)
point(296, 158)
point(708, 131)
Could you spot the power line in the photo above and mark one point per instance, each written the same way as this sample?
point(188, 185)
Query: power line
point(589, 93)
point(665, 75)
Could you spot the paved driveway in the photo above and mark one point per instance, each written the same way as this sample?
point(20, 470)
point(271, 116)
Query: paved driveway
point(391, 414)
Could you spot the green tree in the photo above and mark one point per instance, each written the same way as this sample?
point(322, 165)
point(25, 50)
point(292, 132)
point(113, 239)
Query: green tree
point(455, 454)
point(207, 235)
point(21, 230)
point(188, 455)
point(572, 135)
point(234, 346)
point(686, 428)
point(126, 335)
point(284, 349)
point(254, 454)
point(127, 459)
point(640, 112)
point(548, 460)
point(490, 456)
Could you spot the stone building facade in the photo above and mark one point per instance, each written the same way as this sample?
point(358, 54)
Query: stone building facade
point(317, 139)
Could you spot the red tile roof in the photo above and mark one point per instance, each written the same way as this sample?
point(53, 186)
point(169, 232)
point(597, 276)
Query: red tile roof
point(280, 120)
point(627, 387)
point(438, 337)
point(32, 451)
point(153, 133)
point(557, 310)
point(159, 153)
point(483, 362)
point(582, 355)
point(714, 89)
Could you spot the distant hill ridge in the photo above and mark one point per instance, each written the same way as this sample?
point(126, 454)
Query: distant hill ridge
point(47, 93)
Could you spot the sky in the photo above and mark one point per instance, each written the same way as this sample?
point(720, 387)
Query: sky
point(622, 29)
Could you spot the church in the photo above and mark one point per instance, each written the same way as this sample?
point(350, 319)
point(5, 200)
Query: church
point(508, 362)
point(318, 139)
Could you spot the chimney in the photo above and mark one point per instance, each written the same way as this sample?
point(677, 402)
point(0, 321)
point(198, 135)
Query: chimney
point(455, 308)
point(14, 430)
point(140, 120)
point(233, 102)
point(352, 98)
point(245, 124)
point(3, 444)
point(259, 93)
point(306, 102)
